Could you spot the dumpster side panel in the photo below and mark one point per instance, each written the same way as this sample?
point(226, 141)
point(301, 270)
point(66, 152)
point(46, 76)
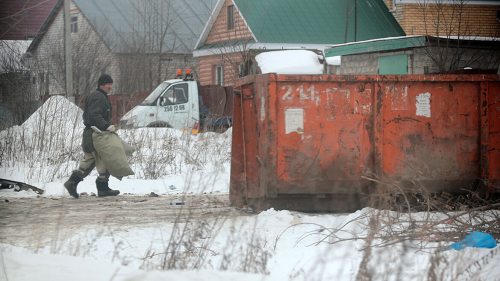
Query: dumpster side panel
point(322, 136)
point(430, 132)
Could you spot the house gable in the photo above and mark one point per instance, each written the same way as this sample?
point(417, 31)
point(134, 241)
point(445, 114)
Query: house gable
point(219, 31)
point(91, 56)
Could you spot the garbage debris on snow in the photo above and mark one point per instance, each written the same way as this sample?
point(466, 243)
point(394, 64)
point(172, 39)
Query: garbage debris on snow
point(475, 239)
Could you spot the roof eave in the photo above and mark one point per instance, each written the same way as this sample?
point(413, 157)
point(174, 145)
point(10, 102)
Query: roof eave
point(210, 23)
point(45, 26)
point(376, 45)
point(407, 42)
point(245, 22)
point(259, 45)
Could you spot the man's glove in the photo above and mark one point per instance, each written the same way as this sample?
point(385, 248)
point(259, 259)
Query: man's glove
point(111, 128)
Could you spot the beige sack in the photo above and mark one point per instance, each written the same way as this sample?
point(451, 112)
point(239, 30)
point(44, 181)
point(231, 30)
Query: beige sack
point(113, 152)
point(128, 148)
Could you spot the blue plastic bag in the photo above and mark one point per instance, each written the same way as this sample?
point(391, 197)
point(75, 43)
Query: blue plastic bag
point(475, 239)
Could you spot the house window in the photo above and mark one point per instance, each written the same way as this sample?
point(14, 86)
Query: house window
point(219, 75)
point(230, 17)
point(74, 24)
point(44, 83)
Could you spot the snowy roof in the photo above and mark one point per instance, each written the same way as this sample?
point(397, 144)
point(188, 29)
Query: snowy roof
point(127, 19)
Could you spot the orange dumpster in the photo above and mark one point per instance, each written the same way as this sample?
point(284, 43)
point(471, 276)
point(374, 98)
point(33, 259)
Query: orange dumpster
point(302, 139)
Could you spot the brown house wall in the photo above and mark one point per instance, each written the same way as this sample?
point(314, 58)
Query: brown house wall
point(476, 20)
point(207, 69)
point(220, 33)
point(232, 58)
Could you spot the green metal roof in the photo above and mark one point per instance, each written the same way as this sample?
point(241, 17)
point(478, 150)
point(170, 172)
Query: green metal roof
point(374, 46)
point(392, 44)
point(317, 21)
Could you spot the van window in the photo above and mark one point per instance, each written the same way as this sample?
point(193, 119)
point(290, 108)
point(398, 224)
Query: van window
point(177, 94)
point(167, 98)
point(181, 93)
point(151, 99)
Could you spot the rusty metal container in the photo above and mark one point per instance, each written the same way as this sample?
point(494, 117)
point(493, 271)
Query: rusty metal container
point(302, 139)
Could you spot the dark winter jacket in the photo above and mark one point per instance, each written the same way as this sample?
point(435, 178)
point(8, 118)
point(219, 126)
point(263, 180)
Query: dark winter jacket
point(97, 112)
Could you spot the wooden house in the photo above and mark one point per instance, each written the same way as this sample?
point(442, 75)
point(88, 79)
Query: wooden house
point(237, 26)
point(139, 43)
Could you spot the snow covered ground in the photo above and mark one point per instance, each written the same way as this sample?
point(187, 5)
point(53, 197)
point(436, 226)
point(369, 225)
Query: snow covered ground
point(271, 245)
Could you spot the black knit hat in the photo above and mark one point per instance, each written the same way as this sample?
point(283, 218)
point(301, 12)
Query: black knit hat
point(104, 79)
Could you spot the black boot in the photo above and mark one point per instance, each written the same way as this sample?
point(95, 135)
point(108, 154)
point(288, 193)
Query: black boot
point(71, 184)
point(104, 190)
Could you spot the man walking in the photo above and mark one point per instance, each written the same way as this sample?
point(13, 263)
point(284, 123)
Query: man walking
point(98, 113)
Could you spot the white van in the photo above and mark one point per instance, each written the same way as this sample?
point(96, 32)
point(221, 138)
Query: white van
point(179, 104)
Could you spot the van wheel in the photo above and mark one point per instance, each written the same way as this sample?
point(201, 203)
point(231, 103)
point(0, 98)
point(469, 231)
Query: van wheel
point(158, 124)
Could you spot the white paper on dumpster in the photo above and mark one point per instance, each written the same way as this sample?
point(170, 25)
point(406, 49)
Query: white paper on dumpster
point(424, 105)
point(294, 120)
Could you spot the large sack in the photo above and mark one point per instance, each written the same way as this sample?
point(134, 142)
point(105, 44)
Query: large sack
point(111, 149)
point(128, 148)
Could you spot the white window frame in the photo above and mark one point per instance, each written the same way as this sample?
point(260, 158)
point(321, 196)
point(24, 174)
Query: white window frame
point(74, 23)
point(230, 17)
point(219, 75)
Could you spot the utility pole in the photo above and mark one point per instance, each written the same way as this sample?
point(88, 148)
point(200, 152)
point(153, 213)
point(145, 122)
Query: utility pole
point(68, 51)
point(355, 19)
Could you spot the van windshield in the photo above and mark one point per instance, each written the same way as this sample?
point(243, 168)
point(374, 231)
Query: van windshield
point(155, 94)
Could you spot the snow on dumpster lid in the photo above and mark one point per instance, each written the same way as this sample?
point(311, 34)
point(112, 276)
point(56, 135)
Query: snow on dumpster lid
point(289, 62)
point(333, 60)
